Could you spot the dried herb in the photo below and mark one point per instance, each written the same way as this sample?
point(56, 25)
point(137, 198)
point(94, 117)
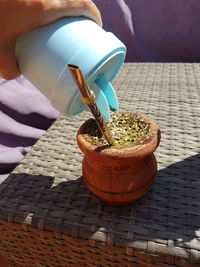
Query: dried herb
point(126, 129)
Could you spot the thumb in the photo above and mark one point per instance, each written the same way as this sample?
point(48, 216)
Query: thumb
point(8, 65)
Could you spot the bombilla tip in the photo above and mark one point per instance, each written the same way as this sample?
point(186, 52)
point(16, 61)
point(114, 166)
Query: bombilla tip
point(72, 66)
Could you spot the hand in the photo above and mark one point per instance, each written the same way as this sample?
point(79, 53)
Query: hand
point(19, 16)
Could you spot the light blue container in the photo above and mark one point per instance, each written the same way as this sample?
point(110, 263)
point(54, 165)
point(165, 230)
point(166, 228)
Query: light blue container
point(44, 52)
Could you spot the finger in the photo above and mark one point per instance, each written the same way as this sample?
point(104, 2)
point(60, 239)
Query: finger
point(8, 66)
point(62, 8)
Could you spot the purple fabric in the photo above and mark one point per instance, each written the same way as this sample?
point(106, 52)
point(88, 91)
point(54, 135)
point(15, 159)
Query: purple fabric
point(25, 114)
point(156, 30)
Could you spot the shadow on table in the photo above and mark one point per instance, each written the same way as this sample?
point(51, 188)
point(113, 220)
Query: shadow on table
point(170, 211)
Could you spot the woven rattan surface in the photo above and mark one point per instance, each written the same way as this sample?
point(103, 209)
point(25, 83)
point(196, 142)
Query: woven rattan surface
point(49, 218)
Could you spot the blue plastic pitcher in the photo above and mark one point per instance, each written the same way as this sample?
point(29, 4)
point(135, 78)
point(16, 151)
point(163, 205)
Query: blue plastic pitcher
point(44, 52)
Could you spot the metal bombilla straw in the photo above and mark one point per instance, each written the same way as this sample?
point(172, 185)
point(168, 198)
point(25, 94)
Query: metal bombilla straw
point(88, 98)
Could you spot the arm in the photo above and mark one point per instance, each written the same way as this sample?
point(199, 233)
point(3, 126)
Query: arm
point(19, 16)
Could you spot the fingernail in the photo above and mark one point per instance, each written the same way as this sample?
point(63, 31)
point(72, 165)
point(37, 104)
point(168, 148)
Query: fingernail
point(8, 75)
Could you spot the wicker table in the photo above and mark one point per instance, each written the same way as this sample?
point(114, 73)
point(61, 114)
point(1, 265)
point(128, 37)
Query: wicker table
point(49, 218)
